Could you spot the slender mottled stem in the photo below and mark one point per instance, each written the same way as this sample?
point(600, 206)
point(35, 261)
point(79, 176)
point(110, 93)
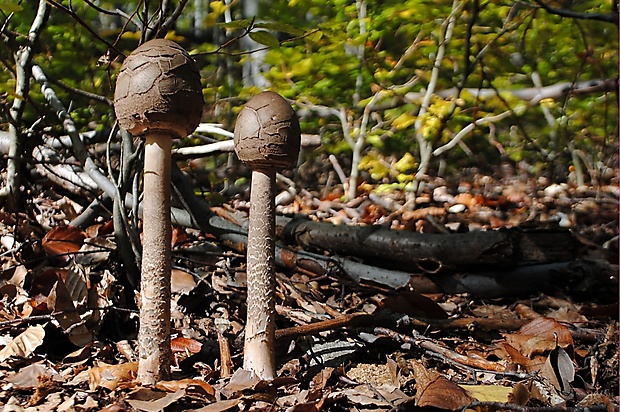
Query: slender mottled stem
point(260, 328)
point(154, 334)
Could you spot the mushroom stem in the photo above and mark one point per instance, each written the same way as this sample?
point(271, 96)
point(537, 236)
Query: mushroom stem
point(154, 351)
point(260, 328)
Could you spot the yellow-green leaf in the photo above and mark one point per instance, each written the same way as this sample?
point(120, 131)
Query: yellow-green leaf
point(266, 38)
point(403, 121)
point(488, 393)
point(10, 8)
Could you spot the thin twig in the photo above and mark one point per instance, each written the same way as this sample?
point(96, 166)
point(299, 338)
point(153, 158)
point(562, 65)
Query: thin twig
point(605, 17)
point(448, 355)
point(52, 316)
point(83, 24)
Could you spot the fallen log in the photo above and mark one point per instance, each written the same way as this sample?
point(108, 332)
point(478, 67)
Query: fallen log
point(432, 253)
point(496, 282)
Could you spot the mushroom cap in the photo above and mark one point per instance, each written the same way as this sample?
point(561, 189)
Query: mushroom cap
point(267, 134)
point(158, 89)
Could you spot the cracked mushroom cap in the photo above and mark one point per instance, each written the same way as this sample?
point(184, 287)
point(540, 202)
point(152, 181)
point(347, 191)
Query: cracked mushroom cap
point(267, 134)
point(158, 89)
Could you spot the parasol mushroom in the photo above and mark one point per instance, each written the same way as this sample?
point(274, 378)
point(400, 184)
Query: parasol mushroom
point(267, 138)
point(158, 96)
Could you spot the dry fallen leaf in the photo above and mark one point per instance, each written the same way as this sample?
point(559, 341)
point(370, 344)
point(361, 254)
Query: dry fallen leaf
point(365, 395)
point(173, 386)
point(181, 281)
point(150, 400)
point(220, 406)
point(433, 389)
point(413, 304)
point(240, 381)
point(548, 328)
point(63, 240)
point(23, 344)
point(61, 303)
point(185, 345)
point(540, 336)
point(29, 376)
point(488, 393)
point(559, 370)
point(112, 376)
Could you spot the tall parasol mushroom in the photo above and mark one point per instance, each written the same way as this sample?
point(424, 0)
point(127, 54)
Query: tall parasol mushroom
point(158, 96)
point(267, 138)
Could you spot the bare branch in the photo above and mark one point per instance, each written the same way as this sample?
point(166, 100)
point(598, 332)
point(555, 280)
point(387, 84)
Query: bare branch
point(86, 26)
point(464, 131)
point(23, 58)
point(531, 94)
point(605, 17)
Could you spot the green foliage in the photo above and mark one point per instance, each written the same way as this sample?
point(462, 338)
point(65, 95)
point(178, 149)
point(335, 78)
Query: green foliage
point(320, 54)
point(324, 69)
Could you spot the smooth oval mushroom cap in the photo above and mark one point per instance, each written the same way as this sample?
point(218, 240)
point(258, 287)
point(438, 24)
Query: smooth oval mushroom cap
point(267, 133)
point(158, 89)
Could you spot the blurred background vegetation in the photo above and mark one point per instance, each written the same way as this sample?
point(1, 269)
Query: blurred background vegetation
point(398, 90)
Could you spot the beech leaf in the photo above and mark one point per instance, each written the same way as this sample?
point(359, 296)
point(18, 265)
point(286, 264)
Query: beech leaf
point(63, 240)
point(183, 384)
point(154, 401)
point(60, 301)
point(559, 370)
point(185, 345)
point(266, 38)
point(433, 389)
point(23, 344)
point(112, 376)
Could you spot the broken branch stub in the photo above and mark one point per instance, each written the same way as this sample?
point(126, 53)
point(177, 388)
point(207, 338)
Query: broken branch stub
point(267, 138)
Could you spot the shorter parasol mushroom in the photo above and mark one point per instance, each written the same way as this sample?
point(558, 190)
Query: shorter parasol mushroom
point(159, 96)
point(267, 138)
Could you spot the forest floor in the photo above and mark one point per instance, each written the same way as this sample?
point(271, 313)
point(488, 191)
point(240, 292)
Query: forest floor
point(68, 315)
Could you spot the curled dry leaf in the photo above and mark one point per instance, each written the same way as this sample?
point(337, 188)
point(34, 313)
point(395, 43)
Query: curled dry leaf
point(185, 345)
point(63, 240)
point(559, 370)
point(181, 281)
point(540, 336)
point(183, 384)
point(112, 376)
point(30, 376)
point(23, 344)
point(149, 400)
point(433, 389)
point(76, 285)
point(100, 229)
point(61, 303)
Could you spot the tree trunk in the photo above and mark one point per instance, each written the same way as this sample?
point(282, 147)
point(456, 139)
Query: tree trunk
point(253, 66)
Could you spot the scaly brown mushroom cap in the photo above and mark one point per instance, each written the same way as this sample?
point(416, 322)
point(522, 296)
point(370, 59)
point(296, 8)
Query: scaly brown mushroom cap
point(267, 133)
point(158, 90)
